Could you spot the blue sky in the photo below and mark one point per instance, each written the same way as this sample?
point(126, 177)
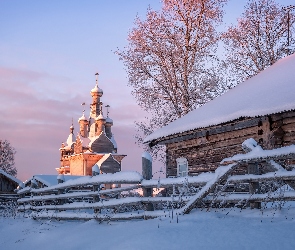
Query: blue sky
point(49, 53)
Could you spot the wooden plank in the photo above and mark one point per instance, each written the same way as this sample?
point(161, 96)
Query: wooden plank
point(222, 128)
point(289, 127)
point(290, 120)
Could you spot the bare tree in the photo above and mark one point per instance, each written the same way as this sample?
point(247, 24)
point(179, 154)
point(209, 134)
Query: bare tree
point(7, 153)
point(259, 39)
point(168, 63)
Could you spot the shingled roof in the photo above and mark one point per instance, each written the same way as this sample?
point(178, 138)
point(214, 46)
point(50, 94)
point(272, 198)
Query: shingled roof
point(271, 91)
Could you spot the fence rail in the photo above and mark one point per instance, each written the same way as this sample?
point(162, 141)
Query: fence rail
point(222, 188)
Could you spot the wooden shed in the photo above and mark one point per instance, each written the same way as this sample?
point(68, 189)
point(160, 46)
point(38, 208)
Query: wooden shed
point(262, 108)
point(8, 183)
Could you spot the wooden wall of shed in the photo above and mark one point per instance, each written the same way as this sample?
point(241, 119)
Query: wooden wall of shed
point(204, 153)
point(7, 185)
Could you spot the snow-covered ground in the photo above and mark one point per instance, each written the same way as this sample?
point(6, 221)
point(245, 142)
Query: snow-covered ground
point(216, 229)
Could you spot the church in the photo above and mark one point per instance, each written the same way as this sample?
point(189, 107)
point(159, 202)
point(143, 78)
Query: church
point(94, 143)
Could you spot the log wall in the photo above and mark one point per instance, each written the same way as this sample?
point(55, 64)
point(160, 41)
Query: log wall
point(205, 148)
point(7, 185)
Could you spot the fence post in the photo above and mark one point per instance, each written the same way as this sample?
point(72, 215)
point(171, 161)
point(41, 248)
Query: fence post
point(253, 168)
point(147, 175)
point(95, 188)
point(60, 179)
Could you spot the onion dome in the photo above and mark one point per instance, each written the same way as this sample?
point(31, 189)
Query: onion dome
point(96, 89)
point(82, 118)
point(109, 121)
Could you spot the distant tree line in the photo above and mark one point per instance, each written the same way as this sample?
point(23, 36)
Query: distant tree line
point(7, 153)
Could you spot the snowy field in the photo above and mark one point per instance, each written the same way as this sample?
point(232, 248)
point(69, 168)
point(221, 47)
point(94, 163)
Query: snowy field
point(216, 229)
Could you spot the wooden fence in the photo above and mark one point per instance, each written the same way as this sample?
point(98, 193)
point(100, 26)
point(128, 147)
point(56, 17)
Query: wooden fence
point(266, 180)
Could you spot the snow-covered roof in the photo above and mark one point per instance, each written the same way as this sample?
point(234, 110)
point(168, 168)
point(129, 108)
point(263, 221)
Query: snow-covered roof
point(104, 158)
point(114, 141)
point(10, 176)
point(93, 139)
point(71, 139)
point(95, 168)
point(85, 141)
point(50, 180)
point(271, 91)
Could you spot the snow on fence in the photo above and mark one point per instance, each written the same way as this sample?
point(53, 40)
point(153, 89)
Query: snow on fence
point(264, 180)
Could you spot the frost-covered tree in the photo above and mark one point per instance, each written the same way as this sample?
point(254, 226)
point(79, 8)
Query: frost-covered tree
point(260, 38)
point(170, 57)
point(7, 153)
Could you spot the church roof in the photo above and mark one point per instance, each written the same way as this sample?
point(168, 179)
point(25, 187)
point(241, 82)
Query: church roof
point(71, 139)
point(271, 91)
point(112, 139)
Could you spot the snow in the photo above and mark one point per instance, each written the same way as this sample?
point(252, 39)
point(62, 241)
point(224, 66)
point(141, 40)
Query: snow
point(50, 180)
point(96, 89)
point(104, 158)
point(200, 179)
point(82, 118)
point(258, 152)
point(260, 95)
point(249, 144)
point(85, 141)
point(219, 173)
point(94, 138)
point(130, 176)
point(248, 177)
point(216, 229)
point(147, 156)
point(10, 176)
point(257, 197)
point(71, 139)
point(60, 177)
point(114, 141)
point(95, 168)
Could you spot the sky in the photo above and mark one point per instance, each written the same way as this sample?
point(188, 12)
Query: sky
point(49, 54)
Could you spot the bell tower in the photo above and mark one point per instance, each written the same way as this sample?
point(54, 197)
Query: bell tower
point(96, 93)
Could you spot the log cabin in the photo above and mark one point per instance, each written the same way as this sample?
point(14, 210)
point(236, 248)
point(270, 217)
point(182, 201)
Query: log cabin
point(8, 183)
point(262, 107)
